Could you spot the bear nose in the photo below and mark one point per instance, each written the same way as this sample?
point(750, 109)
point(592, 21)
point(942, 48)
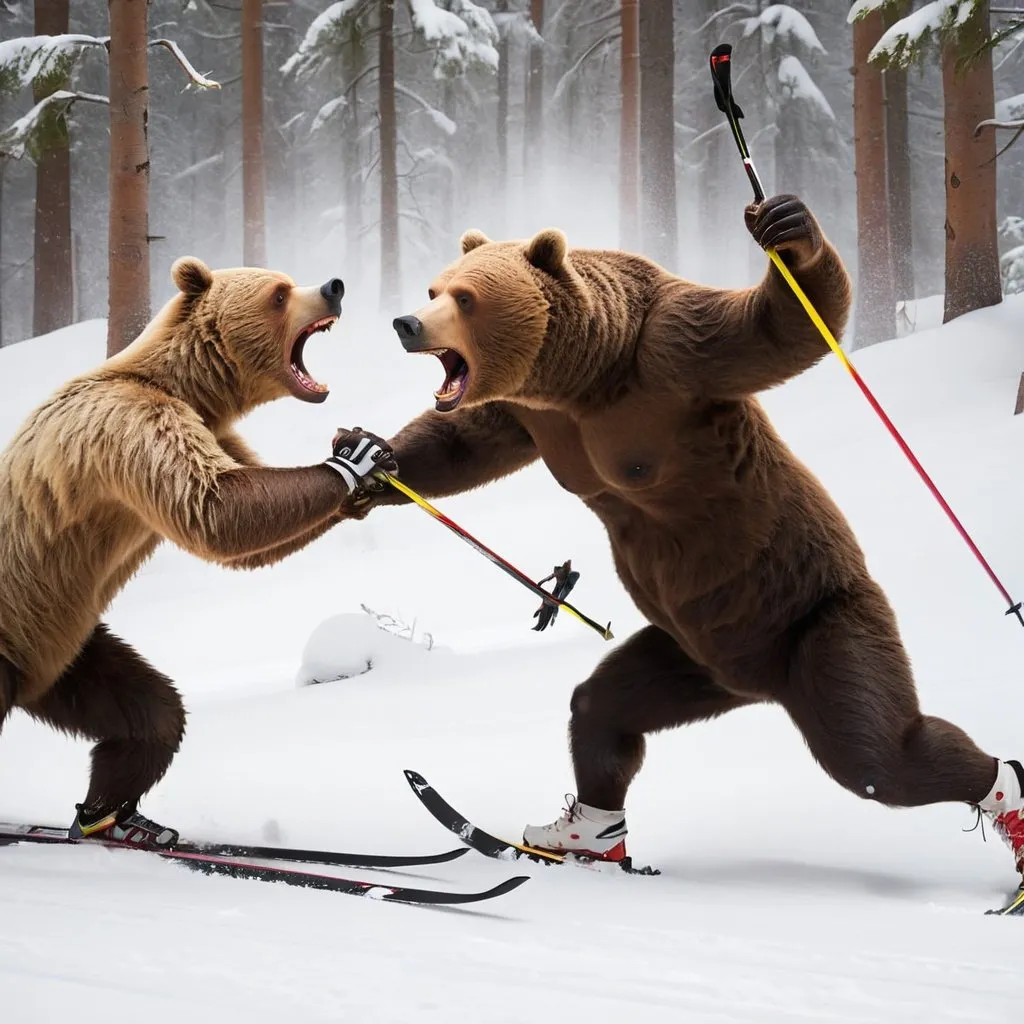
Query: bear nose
point(408, 328)
point(332, 292)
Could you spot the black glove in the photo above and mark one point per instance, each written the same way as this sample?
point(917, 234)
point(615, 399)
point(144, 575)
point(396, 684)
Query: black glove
point(358, 454)
point(786, 223)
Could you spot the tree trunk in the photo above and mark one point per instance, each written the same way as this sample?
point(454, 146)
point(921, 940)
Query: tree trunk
point(657, 133)
point(54, 283)
point(972, 252)
point(353, 189)
point(897, 159)
point(390, 287)
point(254, 234)
point(533, 137)
point(129, 173)
point(875, 317)
point(629, 131)
point(501, 128)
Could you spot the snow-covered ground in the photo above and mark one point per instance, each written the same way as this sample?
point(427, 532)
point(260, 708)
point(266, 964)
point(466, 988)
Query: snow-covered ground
point(782, 898)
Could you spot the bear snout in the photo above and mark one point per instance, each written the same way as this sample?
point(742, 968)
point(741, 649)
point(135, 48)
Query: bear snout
point(333, 292)
point(409, 329)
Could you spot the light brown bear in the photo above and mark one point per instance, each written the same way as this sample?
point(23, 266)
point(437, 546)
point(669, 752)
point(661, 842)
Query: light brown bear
point(636, 388)
point(140, 449)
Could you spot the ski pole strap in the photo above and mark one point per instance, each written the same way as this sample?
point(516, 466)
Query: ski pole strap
point(722, 78)
point(494, 557)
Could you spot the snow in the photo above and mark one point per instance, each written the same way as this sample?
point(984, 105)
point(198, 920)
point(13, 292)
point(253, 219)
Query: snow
point(783, 898)
point(904, 37)
point(349, 645)
point(799, 85)
point(785, 22)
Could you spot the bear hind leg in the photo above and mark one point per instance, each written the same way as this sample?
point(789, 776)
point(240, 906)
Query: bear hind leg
point(112, 695)
point(645, 685)
point(852, 695)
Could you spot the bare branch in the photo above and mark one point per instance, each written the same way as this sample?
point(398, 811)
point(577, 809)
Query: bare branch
point(198, 79)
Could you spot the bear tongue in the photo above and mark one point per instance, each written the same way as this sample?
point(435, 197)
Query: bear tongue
point(456, 371)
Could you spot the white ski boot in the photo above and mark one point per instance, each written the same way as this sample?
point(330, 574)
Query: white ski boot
point(582, 830)
point(1004, 805)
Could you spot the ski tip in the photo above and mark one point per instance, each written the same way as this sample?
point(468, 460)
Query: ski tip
point(508, 885)
point(415, 779)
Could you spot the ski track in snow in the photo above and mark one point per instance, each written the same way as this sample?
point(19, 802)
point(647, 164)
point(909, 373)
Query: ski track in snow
point(783, 897)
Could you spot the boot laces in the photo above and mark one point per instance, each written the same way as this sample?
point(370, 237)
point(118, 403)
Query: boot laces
point(137, 820)
point(570, 812)
point(978, 821)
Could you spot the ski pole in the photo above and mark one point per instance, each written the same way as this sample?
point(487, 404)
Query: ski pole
point(501, 563)
point(722, 78)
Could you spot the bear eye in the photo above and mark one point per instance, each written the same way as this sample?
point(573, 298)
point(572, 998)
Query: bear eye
point(280, 295)
point(431, 294)
point(465, 301)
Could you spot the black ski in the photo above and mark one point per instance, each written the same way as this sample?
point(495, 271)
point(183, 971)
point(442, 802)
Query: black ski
point(491, 846)
point(209, 864)
point(13, 833)
point(1014, 907)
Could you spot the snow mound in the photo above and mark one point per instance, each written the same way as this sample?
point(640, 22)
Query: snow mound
point(350, 644)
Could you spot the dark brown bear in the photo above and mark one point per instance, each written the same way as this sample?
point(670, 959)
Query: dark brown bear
point(636, 389)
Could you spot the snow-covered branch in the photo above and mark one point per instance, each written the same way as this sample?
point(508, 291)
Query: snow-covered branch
point(798, 85)
point(993, 123)
point(327, 111)
point(327, 33)
point(516, 26)
point(786, 23)
point(16, 139)
point(27, 58)
point(904, 43)
point(462, 38)
point(445, 123)
point(201, 80)
point(565, 80)
point(862, 8)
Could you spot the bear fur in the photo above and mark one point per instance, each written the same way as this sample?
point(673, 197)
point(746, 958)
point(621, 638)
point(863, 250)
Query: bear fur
point(637, 390)
point(143, 448)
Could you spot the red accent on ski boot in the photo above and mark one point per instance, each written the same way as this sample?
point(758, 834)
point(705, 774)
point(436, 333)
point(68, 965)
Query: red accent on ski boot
point(616, 853)
point(1010, 825)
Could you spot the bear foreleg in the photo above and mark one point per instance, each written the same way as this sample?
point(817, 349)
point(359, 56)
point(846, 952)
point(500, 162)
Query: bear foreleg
point(852, 695)
point(645, 685)
point(111, 694)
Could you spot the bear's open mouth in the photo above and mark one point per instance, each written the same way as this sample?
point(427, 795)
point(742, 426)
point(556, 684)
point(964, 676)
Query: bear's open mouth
point(456, 375)
point(298, 369)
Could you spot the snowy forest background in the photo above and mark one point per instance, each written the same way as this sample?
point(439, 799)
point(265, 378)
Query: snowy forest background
point(509, 115)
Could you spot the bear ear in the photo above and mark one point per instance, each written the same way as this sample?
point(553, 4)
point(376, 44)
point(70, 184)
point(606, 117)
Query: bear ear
point(191, 275)
point(547, 249)
point(471, 240)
